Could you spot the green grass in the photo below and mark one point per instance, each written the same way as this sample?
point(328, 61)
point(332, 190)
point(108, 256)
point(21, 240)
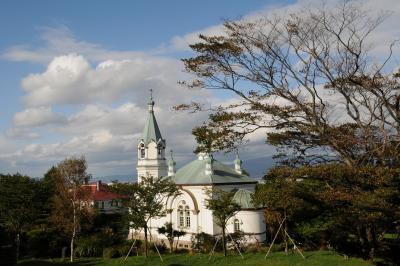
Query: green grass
point(324, 258)
point(391, 236)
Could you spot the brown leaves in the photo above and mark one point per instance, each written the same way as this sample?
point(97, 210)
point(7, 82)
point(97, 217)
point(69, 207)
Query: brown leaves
point(278, 68)
point(72, 204)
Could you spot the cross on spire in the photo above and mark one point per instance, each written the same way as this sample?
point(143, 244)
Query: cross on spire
point(151, 102)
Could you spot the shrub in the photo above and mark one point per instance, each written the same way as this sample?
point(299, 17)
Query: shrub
point(93, 245)
point(137, 248)
point(162, 247)
point(204, 243)
point(45, 243)
point(124, 248)
point(89, 247)
point(8, 255)
point(238, 239)
point(111, 252)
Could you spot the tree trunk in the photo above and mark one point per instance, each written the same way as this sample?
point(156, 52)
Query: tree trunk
point(223, 241)
point(371, 237)
point(285, 237)
point(145, 242)
point(362, 241)
point(323, 243)
point(74, 228)
point(18, 244)
point(176, 246)
point(171, 245)
point(72, 247)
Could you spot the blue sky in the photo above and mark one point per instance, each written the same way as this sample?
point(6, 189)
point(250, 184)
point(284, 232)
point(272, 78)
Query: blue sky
point(121, 25)
point(75, 77)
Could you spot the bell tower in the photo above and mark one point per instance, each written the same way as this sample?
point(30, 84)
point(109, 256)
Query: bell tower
point(151, 148)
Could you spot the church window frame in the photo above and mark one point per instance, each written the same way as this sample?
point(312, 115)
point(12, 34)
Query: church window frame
point(159, 149)
point(187, 217)
point(181, 220)
point(142, 151)
point(183, 215)
point(236, 226)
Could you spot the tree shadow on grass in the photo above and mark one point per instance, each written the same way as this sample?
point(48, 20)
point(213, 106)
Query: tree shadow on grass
point(39, 262)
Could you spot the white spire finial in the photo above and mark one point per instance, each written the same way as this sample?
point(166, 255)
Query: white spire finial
point(238, 164)
point(171, 166)
point(208, 158)
point(151, 102)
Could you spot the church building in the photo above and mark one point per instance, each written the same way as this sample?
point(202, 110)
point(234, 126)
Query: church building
point(188, 211)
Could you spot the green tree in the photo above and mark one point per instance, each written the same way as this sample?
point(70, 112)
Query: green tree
point(310, 77)
point(147, 201)
point(71, 209)
point(171, 234)
point(19, 204)
point(279, 195)
point(352, 208)
point(223, 208)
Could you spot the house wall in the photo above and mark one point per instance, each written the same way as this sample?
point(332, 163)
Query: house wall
point(107, 206)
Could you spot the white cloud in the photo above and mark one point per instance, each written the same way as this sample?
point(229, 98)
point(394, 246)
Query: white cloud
point(380, 39)
point(34, 117)
point(107, 92)
point(70, 79)
point(61, 40)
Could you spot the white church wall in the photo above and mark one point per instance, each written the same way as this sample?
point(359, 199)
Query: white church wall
point(251, 223)
point(152, 150)
point(206, 223)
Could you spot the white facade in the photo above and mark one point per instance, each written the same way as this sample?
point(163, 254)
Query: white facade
point(151, 149)
point(188, 211)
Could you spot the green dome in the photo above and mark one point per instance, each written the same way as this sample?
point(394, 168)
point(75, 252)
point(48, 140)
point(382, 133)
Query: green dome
point(195, 173)
point(171, 163)
point(243, 198)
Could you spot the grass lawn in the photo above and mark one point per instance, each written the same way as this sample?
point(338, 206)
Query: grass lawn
point(324, 258)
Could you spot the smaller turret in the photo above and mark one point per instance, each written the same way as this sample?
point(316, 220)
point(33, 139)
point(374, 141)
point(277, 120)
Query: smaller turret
point(208, 158)
point(171, 166)
point(238, 164)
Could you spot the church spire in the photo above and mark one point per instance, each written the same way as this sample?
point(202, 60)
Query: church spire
point(151, 147)
point(151, 130)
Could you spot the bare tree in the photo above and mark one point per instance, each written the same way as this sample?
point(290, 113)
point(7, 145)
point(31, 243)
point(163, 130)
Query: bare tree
point(308, 80)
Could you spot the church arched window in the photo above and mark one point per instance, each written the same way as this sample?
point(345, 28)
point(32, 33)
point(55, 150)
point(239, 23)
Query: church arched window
point(181, 219)
point(187, 216)
point(236, 225)
point(142, 151)
point(159, 149)
point(183, 215)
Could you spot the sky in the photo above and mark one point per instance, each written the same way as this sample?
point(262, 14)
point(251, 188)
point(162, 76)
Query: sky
point(75, 77)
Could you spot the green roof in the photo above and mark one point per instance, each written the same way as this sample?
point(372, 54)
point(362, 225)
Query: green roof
point(151, 130)
point(243, 198)
point(195, 173)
